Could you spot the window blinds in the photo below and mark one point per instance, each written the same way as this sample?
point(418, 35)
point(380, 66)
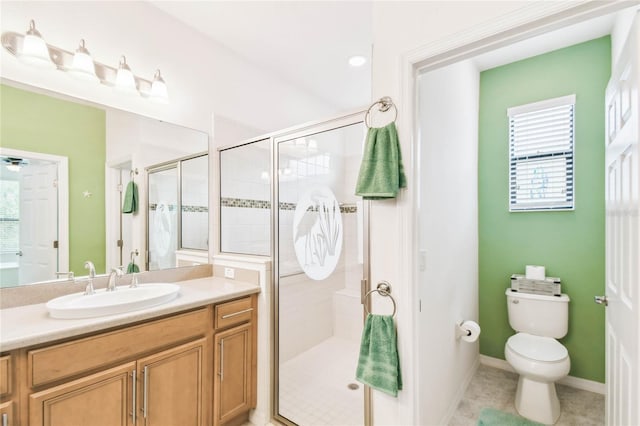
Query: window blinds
point(541, 142)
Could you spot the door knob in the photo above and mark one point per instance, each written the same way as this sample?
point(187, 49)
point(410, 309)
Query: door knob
point(19, 253)
point(601, 300)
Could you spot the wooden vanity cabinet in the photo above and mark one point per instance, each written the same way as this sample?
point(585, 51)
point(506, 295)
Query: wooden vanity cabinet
point(7, 397)
point(192, 368)
point(172, 386)
point(101, 399)
point(234, 389)
point(150, 374)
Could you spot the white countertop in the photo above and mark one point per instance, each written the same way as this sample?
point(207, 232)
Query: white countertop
point(30, 325)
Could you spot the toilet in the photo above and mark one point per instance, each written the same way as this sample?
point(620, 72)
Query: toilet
point(535, 354)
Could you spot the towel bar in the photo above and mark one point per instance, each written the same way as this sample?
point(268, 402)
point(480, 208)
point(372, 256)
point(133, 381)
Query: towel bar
point(385, 104)
point(384, 289)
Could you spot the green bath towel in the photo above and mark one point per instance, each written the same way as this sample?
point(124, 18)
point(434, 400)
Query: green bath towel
point(132, 267)
point(130, 204)
point(379, 364)
point(381, 172)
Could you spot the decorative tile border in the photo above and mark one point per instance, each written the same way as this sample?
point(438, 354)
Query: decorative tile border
point(263, 204)
point(189, 209)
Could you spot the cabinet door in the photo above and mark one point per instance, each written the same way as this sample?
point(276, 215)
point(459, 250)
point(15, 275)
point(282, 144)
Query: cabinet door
point(171, 384)
point(232, 382)
point(101, 399)
point(6, 414)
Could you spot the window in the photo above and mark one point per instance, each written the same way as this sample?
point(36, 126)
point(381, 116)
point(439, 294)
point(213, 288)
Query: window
point(9, 215)
point(541, 143)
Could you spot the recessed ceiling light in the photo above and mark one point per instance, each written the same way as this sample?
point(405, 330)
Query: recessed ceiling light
point(357, 61)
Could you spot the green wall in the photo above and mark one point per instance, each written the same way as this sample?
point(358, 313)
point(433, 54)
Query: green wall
point(571, 243)
point(34, 122)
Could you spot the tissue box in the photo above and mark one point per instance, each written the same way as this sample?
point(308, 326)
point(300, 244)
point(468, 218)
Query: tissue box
point(550, 286)
point(533, 272)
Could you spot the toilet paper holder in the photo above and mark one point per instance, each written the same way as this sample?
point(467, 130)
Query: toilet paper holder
point(467, 330)
point(460, 331)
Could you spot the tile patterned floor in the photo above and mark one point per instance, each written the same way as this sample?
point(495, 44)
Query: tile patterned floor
point(313, 385)
point(494, 388)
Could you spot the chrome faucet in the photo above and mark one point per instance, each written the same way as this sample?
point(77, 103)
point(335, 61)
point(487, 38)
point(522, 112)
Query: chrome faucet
point(111, 283)
point(92, 274)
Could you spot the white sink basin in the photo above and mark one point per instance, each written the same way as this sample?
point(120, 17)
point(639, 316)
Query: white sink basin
point(124, 299)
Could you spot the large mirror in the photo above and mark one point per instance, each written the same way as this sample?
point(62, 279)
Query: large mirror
point(75, 185)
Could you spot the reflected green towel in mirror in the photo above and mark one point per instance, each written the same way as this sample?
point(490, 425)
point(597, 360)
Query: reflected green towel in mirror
point(132, 267)
point(130, 204)
point(381, 172)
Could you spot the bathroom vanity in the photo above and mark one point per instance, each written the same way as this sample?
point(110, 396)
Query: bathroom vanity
point(191, 361)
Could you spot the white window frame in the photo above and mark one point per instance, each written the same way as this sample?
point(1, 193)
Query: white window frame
point(567, 154)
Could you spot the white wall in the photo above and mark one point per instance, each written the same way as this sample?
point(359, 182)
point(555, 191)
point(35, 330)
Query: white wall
point(203, 77)
point(448, 234)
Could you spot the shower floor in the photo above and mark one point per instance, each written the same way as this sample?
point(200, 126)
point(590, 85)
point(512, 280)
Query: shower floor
point(314, 385)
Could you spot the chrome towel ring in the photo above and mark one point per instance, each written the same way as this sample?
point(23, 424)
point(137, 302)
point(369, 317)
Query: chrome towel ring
point(385, 104)
point(384, 289)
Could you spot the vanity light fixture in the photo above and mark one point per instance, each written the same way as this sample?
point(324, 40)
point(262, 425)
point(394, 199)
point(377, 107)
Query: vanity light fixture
point(32, 49)
point(83, 66)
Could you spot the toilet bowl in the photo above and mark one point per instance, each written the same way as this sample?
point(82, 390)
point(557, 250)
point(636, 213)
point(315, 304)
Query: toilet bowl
point(540, 361)
point(535, 354)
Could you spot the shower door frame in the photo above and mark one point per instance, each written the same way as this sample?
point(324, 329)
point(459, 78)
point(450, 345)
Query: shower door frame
point(276, 139)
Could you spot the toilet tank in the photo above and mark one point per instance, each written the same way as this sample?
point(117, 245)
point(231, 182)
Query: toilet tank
point(538, 314)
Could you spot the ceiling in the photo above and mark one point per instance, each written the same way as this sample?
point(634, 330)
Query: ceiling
point(305, 43)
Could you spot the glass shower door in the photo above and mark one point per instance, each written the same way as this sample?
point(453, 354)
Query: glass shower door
point(162, 218)
point(320, 266)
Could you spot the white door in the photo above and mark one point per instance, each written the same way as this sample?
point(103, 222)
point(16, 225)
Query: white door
point(38, 223)
point(623, 238)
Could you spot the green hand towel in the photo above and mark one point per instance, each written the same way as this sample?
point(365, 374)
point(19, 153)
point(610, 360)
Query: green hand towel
point(379, 364)
point(381, 172)
point(132, 267)
point(130, 204)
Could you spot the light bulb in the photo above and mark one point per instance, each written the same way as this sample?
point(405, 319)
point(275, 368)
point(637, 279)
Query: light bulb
point(83, 66)
point(159, 91)
point(34, 49)
point(125, 81)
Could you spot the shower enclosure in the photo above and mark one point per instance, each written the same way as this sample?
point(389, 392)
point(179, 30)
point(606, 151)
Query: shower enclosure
point(319, 247)
point(177, 209)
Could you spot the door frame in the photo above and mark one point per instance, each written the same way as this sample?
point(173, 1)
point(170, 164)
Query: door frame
point(530, 21)
point(62, 164)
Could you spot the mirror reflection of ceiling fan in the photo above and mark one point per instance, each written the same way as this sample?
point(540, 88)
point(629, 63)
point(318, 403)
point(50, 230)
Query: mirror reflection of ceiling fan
point(14, 163)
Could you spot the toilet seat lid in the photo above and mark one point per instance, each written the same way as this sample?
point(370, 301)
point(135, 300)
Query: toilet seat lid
point(537, 348)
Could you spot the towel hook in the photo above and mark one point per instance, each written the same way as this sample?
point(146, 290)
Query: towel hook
point(133, 173)
point(385, 103)
point(384, 289)
point(134, 253)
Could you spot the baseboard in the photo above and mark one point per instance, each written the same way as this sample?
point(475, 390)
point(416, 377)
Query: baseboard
point(459, 394)
point(574, 382)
